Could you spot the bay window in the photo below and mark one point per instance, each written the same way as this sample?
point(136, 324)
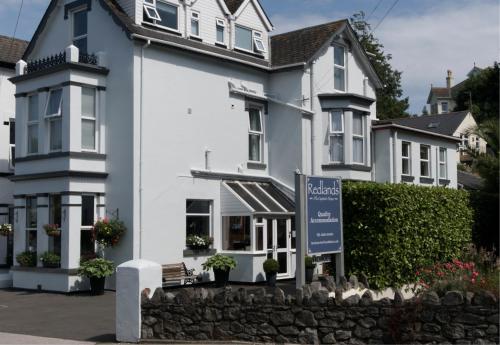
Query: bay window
point(220, 30)
point(55, 218)
point(33, 118)
point(425, 170)
point(339, 69)
point(236, 233)
point(405, 158)
point(53, 115)
point(31, 223)
point(336, 136)
point(443, 173)
point(195, 24)
point(255, 135)
point(198, 218)
point(87, 246)
point(88, 119)
point(80, 32)
point(358, 139)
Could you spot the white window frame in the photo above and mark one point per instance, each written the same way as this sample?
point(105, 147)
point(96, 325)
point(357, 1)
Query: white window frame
point(153, 16)
point(219, 23)
point(87, 118)
point(260, 134)
point(343, 68)
point(465, 141)
point(336, 133)
point(59, 110)
point(428, 161)
point(209, 214)
point(406, 158)
point(155, 22)
point(33, 123)
point(12, 146)
point(447, 107)
point(151, 3)
point(443, 163)
point(256, 36)
point(257, 39)
point(73, 37)
point(195, 17)
point(27, 228)
point(359, 136)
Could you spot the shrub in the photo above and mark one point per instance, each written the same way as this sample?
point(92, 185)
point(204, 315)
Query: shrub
point(271, 266)
point(309, 263)
point(219, 262)
point(50, 259)
point(391, 230)
point(485, 227)
point(96, 268)
point(26, 259)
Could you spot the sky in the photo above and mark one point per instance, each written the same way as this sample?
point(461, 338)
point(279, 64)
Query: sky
point(424, 37)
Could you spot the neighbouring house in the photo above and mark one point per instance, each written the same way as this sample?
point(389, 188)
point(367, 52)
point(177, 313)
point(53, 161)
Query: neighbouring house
point(11, 51)
point(187, 118)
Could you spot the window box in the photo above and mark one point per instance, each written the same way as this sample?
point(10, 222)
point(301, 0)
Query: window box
point(201, 252)
point(407, 178)
point(444, 182)
point(427, 180)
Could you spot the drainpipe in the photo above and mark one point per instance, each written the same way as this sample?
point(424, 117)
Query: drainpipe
point(394, 156)
point(313, 119)
point(148, 43)
point(185, 6)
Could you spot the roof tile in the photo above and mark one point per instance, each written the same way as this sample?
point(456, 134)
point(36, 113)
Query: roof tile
point(11, 50)
point(445, 124)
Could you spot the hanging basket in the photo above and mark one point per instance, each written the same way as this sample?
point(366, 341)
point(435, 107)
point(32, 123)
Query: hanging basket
point(5, 229)
point(108, 232)
point(52, 230)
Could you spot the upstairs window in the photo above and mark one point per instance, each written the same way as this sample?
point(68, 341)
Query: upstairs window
point(88, 119)
point(220, 30)
point(336, 136)
point(358, 139)
point(465, 141)
point(33, 118)
point(405, 158)
point(339, 68)
point(259, 43)
point(243, 38)
point(255, 134)
point(168, 15)
point(53, 114)
point(12, 142)
point(195, 24)
point(443, 171)
point(425, 169)
point(151, 13)
point(80, 30)
point(444, 107)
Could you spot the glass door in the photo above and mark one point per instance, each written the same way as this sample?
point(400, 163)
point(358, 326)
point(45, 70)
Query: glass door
point(278, 243)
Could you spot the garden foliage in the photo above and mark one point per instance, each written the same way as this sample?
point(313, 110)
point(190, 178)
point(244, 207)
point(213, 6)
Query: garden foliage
point(486, 224)
point(391, 230)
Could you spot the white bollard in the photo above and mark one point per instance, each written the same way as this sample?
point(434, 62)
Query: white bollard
point(132, 277)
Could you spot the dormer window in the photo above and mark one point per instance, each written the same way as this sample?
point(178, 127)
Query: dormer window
point(151, 12)
point(444, 107)
point(249, 40)
point(339, 68)
point(162, 14)
point(220, 30)
point(258, 42)
point(195, 24)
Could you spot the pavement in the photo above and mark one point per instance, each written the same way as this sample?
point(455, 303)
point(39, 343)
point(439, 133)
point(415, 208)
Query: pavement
point(28, 317)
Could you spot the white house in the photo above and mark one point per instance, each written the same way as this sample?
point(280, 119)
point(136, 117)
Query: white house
point(183, 117)
point(11, 50)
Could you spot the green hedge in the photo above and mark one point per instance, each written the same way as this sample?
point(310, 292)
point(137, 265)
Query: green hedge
point(486, 225)
point(390, 230)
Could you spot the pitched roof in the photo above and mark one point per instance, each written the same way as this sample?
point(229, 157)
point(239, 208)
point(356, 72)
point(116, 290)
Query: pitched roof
point(469, 181)
point(11, 51)
point(301, 45)
point(233, 5)
point(439, 92)
point(445, 124)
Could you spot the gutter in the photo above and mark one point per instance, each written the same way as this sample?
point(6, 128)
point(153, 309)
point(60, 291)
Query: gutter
point(411, 129)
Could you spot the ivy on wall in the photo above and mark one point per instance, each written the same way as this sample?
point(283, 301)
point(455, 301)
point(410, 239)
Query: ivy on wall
point(391, 230)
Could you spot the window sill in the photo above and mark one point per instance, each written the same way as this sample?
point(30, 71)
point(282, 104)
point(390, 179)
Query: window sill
point(187, 253)
point(256, 166)
point(248, 52)
point(220, 45)
point(428, 180)
point(341, 166)
point(444, 182)
point(163, 28)
point(407, 178)
point(195, 38)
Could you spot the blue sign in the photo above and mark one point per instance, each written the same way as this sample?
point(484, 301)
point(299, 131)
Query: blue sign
point(324, 215)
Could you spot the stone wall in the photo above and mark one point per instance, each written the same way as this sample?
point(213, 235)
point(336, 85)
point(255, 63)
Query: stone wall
point(312, 317)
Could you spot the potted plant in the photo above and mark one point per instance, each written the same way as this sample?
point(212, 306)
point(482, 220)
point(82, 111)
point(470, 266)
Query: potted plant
point(50, 260)
point(26, 259)
point(271, 268)
point(96, 270)
point(108, 232)
point(196, 242)
point(221, 265)
point(5, 229)
point(310, 266)
point(52, 230)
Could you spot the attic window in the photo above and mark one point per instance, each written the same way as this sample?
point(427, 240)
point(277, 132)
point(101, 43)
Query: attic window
point(258, 42)
point(151, 12)
point(433, 125)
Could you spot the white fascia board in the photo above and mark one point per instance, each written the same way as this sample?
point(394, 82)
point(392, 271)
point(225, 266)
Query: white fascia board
point(260, 10)
point(411, 129)
point(223, 5)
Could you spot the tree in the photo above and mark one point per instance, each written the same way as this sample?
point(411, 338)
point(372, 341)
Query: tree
point(483, 89)
point(390, 105)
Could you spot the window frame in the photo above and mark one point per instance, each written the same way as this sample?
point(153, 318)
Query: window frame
point(88, 227)
point(406, 158)
point(34, 123)
point(443, 163)
point(12, 143)
point(209, 214)
point(87, 118)
point(257, 39)
point(155, 15)
point(254, 37)
point(83, 36)
point(447, 107)
point(260, 134)
point(219, 23)
point(195, 17)
point(27, 228)
point(358, 137)
point(343, 68)
point(155, 22)
point(428, 161)
point(59, 111)
point(336, 133)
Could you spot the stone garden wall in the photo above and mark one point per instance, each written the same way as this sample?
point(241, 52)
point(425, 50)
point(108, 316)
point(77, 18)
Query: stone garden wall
point(312, 317)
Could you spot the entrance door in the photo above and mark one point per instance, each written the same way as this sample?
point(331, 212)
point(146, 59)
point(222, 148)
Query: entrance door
point(278, 243)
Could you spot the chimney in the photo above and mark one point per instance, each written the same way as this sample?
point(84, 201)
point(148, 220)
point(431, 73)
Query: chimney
point(448, 79)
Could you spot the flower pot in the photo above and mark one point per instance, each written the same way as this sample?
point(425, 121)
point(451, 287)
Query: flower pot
point(309, 275)
point(221, 277)
point(197, 248)
point(97, 285)
point(54, 233)
point(271, 278)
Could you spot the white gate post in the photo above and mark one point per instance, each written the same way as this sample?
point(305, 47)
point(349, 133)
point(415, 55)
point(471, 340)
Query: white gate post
point(132, 277)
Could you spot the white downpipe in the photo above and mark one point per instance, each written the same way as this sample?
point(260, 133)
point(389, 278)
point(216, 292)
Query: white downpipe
point(148, 43)
point(313, 120)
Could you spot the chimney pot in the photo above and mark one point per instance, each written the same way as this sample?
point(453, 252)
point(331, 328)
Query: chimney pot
point(449, 78)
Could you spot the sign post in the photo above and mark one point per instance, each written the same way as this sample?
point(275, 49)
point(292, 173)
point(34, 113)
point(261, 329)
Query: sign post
point(318, 215)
